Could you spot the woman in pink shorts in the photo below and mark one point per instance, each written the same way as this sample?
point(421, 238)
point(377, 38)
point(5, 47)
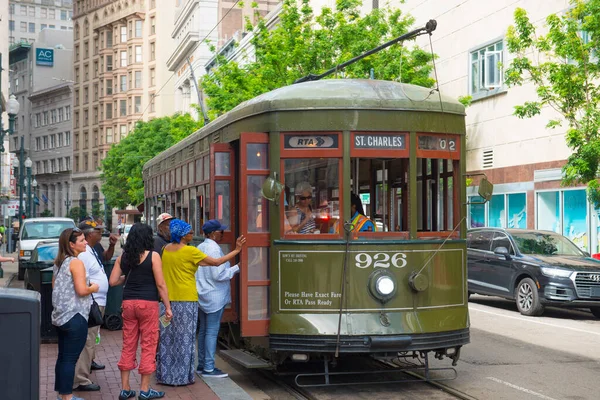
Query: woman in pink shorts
point(140, 270)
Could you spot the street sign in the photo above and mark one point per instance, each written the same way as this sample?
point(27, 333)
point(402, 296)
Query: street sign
point(11, 212)
point(44, 57)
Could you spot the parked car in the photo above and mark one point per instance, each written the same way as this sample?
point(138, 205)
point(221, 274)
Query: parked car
point(124, 234)
point(534, 268)
point(34, 230)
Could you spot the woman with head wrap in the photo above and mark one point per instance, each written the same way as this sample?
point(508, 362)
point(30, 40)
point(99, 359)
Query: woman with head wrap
point(177, 341)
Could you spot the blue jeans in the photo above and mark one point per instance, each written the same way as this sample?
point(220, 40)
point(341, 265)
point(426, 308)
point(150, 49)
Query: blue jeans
point(207, 338)
point(71, 341)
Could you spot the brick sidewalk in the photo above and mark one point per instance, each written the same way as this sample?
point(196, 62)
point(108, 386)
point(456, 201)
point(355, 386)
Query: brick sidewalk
point(109, 379)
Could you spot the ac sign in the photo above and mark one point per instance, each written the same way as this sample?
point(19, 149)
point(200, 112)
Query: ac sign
point(44, 57)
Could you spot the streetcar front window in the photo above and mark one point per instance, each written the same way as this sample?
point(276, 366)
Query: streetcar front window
point(312, 196)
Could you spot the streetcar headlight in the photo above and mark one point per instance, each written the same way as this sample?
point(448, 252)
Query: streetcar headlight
point(385, 285)
point(382, 285)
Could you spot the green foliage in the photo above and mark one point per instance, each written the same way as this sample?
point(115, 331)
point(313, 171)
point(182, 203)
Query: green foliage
point(46, 213)
point(465, 100)
point(122, 182)
point(76, 214)
point(302, 44)
point(563, 66)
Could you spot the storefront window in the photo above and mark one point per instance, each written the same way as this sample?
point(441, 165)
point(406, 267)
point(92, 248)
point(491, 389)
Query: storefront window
point(496, 216)
point(517, 210)
point(311, 196)
point(477, 212)
point(548, 211)
point(574, 217)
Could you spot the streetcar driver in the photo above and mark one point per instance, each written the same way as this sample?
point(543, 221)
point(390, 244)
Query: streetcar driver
point(301, 217)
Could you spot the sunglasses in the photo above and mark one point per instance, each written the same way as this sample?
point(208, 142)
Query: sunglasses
point(305, 197)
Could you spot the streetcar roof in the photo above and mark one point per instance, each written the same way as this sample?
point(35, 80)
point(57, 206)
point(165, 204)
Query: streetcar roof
point(358, 94)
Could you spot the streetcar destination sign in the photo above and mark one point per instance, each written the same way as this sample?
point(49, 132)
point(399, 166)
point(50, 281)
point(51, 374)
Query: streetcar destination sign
point(385, 142)
point(311, 142)
point(427, 142)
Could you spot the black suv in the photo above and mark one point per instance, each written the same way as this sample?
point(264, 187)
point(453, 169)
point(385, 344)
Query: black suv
point(534, 268)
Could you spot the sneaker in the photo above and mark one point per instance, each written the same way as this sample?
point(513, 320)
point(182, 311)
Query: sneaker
point(151, 394)
point(215, 373)
point(126, 394)
point(72, 398)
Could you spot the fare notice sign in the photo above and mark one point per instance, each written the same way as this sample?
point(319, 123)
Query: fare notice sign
point(379, 142)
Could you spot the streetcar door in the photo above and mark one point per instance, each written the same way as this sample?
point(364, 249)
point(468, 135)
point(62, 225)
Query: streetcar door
point(223, 207)
point(254, 224)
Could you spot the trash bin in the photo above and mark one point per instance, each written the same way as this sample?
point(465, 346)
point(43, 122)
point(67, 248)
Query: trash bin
point(20, 338)
point(114, 298)
point(40, 280)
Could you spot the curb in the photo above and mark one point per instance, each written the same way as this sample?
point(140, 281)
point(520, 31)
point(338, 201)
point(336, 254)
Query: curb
point(226, 388)
point(10, 279)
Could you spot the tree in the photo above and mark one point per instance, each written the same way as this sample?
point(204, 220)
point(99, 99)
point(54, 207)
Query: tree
point(302, 44)
point(76, 214)
point(563, 66)
point(46, 213)
point(122, 182)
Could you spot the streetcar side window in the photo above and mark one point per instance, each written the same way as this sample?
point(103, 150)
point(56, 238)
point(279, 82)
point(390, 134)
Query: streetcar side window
point(379, 194)
point(312, 196)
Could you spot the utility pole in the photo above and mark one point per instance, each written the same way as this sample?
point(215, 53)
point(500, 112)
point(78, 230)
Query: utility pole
point(21, 180)
point(198, 92)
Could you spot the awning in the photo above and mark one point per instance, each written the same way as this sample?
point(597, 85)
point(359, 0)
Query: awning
point(140, 207)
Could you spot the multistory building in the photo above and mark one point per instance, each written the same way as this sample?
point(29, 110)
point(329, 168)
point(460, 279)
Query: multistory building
point(521, 157)
point(120, 74)
point(41, 79)
point(5, 157)
point(197, 24)
point(27, 18)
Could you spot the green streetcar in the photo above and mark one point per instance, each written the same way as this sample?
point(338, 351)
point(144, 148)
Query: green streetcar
point(322, 289)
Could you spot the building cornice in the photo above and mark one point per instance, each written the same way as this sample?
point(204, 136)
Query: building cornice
point(65, 86)
point(181, 51)
point(182, 16)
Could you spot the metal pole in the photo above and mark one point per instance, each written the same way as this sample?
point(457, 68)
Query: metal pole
point(21, 180)
point(29, 200)
point(198, 92)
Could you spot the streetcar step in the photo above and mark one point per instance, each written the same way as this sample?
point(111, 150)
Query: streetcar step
point(246, 360)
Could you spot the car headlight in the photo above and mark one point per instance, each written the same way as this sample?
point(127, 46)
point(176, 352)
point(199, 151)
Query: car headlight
point(385, 285)
point(382, 285)
point(25, 253)
point(556, 272)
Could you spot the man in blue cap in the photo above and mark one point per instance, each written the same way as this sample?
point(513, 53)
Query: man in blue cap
point(214, 294)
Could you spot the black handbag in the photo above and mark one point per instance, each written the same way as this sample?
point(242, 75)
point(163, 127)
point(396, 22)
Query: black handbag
point(95, 317)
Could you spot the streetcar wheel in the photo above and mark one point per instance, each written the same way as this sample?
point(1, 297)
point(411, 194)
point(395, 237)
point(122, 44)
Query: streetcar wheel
point(595, 311)
point(528, 299)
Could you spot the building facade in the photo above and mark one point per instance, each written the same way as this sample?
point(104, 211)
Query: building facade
point(4, 93)
point(27, 18)
point(41, 79)
point(120, 75)
point(521, 157)
point(195, 21)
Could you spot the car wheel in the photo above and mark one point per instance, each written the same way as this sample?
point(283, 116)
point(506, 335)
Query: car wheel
point(595, 311)
point(528, 299)
point(21, 273)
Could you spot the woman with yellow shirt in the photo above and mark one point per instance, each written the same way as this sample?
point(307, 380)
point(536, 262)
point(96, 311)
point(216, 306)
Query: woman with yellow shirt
point(177, 342)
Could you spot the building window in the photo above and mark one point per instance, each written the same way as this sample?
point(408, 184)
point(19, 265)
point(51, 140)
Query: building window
point(68, 163)
point(67, 113)
point(152, 76)
point(23, 26)
point(152, 25)
point(38, 120)
point(24, 10)
point(95, 92)
point(60, 139)
point(43, 26)
point(31, 27)
point(67, 138)
point(95, 69)
point(109, 111)
point(138, 54)
point(44, 12)
point(138, 79)
point(31, 11)
point(86, 163)
point(52, 141)
point(53, 116)
point(63, 15)
point(61, 114)
point(123, 59)
point(45, 118)
point(109, 39)
point(138, 28)
point(38, 144)
point(123, 34)
point(109, 89)
point(86, 117)
point(503, 211)
point(11, 9)
point(109, 136)
point(123, 80)
point(123, 108)
point(86, 95)
point(45, 143)
point(76, 163)
point(86, 49)
point(123, 132)
point(565, 212)
point(486, 69)
point(151, 102)
point(137, 104)
point(109, 64)
point(152, 51)
point(11, 25)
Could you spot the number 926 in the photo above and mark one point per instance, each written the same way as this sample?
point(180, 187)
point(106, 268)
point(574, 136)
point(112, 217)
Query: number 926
point(380, 260)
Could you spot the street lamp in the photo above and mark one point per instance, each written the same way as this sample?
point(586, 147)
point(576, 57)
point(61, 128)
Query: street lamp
point(34, 184)
point(28, 164)
point(12, 109)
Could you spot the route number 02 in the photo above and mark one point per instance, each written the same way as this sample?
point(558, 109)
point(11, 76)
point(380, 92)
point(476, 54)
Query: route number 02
point(450, 144)
point(380, 260)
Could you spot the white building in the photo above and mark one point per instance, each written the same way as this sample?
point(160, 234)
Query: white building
point(4, 158)
point(29, 17)
point(520, 156)
point(197, 21)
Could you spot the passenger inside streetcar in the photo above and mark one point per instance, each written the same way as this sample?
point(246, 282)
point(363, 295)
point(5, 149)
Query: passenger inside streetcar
point(360, 222)
point(302, 214)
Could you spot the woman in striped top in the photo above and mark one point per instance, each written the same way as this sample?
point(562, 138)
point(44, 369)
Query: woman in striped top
point(305, 217)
